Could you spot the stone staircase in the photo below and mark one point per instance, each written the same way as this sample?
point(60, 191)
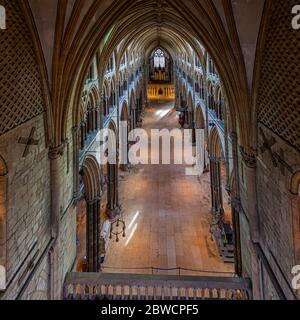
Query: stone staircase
point(226, 251)
point(99, 286)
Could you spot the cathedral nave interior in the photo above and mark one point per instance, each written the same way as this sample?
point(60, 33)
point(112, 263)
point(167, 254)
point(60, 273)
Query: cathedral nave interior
point(79, 75)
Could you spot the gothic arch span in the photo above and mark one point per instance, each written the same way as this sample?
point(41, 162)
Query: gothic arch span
point(190, 101)
point(124, 112)
point(92, 191)
point(200, 119)
point(215, 144)
point(91, 178)
point(96, 97)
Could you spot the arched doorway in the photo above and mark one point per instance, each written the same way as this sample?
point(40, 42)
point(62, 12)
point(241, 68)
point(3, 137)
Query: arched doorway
point(222, 224)
point(92, 193)
point(216, 155)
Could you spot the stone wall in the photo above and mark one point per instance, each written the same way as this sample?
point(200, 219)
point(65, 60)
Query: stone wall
point(67, 242)
point(38, 288)
point(275, 207)
point(28, 203)
point(68, 211)
point(245, 245)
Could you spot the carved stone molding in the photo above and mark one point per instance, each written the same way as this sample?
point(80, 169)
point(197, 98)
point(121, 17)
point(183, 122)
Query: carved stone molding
point(56, 152)
point(249, 157)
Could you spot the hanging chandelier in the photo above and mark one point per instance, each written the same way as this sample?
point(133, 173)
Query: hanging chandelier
point(118, 228)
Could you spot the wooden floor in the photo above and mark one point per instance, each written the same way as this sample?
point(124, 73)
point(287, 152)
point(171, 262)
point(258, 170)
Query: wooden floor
point(167, 215)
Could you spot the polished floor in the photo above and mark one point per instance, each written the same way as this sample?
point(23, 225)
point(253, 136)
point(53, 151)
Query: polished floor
point(167, 214)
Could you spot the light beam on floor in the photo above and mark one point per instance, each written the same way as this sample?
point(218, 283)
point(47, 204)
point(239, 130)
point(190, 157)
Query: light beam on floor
point(133, 220)
point(162, 113)
point(131, 235)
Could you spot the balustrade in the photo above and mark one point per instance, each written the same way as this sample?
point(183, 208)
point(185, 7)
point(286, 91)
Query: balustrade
point(93, 286)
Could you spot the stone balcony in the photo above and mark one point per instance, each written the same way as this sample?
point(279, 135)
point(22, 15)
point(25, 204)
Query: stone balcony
point(97, 286)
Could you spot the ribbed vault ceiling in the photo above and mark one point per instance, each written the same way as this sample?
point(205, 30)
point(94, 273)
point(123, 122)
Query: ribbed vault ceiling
point(150, 26)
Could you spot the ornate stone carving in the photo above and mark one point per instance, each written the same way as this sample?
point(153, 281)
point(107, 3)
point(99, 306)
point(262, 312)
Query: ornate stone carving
point(249, 157)
point(56, 152)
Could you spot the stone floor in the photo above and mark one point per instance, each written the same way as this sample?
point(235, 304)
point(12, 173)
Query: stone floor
point(167, 215)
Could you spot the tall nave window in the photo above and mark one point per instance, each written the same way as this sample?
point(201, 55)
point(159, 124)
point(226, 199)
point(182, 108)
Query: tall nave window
point(159, 59)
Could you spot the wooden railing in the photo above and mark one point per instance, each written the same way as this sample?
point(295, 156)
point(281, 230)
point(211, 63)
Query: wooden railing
point(90, 286)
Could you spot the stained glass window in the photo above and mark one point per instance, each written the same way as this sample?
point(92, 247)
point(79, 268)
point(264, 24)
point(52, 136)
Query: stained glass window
point(159, 59)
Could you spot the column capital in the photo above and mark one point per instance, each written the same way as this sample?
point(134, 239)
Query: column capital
point(56, 152)
point(94, 200)
point(249, 157)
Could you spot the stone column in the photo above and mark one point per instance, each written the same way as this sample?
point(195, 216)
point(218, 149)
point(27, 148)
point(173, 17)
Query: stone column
point(113, 207)
point(93, 117)
point(76, 147)
point(98, 225)
point(82, 135)
point(249, 159)
point(205, 89)
point(213, 196)
point(134, 117)
point(124, 146)
point(55, 155)
point(98, 118)
point(101, 125)
point(236, 207)
point(93, 234)
point(217, 201)
point(90, 234)
point(194, 132)
point(85, 128)
point(227, 154)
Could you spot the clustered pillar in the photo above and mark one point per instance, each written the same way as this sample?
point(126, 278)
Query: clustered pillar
point(216, 186)
point(55, 155)
point(113, 206)
point(93, 234)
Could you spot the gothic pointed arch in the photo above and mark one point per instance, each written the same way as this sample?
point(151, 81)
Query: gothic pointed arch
point(215, 145)
point(92, 191)
point(200, 119)
point(91, 178)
